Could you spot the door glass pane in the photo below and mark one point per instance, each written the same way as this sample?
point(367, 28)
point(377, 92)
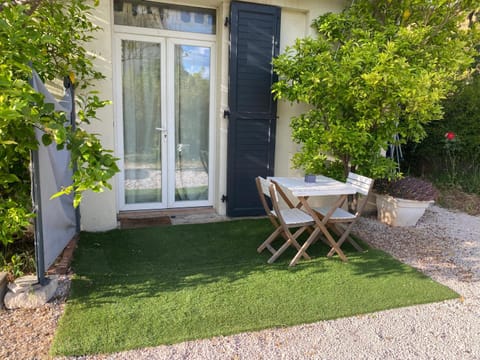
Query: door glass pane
point(142, 121)
point(164, 16)
point(192, 105)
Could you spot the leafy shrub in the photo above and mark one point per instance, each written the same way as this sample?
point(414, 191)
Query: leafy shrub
point(456, 161)
point(18, 258)
point(14, 219)
point(20, 264)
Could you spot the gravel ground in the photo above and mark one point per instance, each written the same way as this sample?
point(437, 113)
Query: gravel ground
point(444, 245)
point(28, 333)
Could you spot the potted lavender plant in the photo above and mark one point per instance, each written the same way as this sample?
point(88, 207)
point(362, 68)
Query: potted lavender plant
point(403, 202)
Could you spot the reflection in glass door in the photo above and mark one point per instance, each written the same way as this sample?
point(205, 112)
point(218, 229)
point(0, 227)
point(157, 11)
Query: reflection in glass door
point(192, 117)
point(143, 131)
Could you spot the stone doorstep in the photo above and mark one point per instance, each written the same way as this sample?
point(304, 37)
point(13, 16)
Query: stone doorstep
point(26, 293)
point(3, 287)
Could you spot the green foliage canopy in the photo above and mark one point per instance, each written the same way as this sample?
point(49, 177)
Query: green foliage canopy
point(49, 35)
point(377, 69)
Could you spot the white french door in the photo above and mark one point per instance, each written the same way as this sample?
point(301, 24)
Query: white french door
point(164, 107)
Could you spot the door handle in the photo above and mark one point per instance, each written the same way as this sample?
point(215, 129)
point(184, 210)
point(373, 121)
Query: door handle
point(163, 131)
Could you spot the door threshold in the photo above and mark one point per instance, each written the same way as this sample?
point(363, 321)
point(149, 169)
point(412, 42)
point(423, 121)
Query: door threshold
point(143, 218)
point(139, 214)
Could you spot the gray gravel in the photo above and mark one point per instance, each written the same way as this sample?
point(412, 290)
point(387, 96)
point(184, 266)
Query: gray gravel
point(445, 245)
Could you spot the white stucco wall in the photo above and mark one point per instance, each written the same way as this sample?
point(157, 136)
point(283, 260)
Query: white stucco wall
point(99, 211)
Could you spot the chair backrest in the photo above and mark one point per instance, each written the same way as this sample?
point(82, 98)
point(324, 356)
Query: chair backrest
point(267, 189)
point(263, 187)
point(363, 184)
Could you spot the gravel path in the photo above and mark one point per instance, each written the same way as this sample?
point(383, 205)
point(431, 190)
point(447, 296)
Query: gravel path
point(445, 245)
point(28, 333)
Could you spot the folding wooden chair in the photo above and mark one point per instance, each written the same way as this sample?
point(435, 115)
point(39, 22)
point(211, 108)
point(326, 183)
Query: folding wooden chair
point(282, 219)
point(337, 215)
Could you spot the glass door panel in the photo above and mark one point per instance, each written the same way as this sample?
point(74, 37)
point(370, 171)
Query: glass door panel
point(192, 120)
point(143, 133)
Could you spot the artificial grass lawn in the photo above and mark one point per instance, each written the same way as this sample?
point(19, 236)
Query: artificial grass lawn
point(147, 287)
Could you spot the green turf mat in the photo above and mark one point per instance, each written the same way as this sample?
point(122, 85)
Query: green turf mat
point(147, 287)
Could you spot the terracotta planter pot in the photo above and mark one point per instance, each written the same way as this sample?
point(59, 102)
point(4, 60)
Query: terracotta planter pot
point(400, 212)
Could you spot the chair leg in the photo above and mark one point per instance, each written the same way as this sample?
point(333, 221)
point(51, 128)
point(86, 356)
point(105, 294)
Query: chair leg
point(345, 236)
point(322, 238)
point(266, 243)
point(280, 251)
point(354, 244)
point(276, 224)
point(295, 242)
point(292, 240)
point(271, 249)
point(349, 238)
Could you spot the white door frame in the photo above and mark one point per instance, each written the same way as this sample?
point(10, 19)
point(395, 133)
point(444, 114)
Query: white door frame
point(167, 40)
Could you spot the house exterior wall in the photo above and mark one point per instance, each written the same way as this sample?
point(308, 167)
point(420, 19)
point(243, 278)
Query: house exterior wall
point(99, 211)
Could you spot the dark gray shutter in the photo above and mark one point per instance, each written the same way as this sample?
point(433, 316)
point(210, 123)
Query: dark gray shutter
point(254, 41)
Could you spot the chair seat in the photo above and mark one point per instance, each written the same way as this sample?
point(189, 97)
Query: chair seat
point(295, 217)
point(338, 215)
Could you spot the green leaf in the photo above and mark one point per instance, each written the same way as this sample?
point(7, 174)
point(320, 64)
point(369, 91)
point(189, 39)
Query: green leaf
point(46, 139)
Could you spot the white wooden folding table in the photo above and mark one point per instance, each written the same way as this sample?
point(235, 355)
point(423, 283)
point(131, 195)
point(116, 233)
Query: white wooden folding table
point(323, 186)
